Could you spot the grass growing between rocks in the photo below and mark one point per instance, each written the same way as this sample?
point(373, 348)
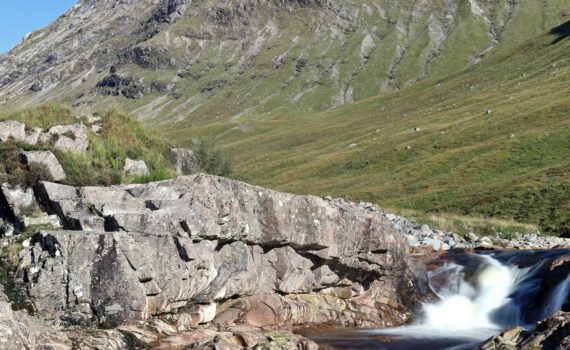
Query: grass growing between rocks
point(478, 225)
point(13, 172)
point(121, 137)
point(45, 116)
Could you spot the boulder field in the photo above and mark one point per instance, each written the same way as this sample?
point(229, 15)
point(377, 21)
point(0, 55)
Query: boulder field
point(205, 261)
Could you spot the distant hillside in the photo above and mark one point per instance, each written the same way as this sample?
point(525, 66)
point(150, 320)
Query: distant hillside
point(493, 140)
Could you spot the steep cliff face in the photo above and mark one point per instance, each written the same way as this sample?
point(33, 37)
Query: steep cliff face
point(202, 60)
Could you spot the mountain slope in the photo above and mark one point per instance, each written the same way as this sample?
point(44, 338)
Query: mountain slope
point(492, 140)
point(202, 61)
point(378, 100)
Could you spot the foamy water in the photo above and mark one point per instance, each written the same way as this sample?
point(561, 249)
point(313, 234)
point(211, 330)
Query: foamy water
point(472, 306)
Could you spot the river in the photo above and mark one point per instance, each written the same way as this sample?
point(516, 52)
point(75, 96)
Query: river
point(479, 295)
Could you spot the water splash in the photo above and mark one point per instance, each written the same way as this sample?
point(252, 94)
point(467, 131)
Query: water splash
point(472, 304)
point(477, 299)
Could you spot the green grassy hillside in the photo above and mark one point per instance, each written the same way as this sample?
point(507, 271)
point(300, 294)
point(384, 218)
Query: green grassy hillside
point(510, 162)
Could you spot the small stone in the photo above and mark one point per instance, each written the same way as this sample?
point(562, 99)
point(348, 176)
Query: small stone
point(412, 241)
point(425, 230)
point(12, 129)
point(93, 119)
point(46, 158)
point(96, 128)
point(135, 167)
point(435, 243)
point(451, 243)
point(70, 138)
point(472, 237)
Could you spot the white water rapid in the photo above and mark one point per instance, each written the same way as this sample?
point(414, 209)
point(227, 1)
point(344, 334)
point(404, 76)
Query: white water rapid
point(478, 296)
point(471, 305)
point(467, 303)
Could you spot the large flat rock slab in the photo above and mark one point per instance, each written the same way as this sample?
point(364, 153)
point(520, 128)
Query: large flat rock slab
point(202, 242)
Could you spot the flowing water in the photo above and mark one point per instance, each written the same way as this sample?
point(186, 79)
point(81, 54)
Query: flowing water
point(479, 295)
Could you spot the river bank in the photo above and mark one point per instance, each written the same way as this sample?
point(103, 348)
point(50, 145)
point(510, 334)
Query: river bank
point(209, 262)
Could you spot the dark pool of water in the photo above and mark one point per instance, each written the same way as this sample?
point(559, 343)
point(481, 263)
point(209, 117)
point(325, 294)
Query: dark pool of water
point(371, 340)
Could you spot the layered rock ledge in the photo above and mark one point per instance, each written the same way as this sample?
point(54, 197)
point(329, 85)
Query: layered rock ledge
point(198, 255)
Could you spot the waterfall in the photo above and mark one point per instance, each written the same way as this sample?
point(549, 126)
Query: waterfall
point(558, 298)
point(478, 296)
point(472, 305)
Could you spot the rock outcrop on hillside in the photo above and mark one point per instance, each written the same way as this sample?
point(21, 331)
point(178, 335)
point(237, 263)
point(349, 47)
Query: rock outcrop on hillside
point(65, 138)
point(200, 255)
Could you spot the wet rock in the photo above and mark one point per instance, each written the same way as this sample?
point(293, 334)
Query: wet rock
point(553, 277)
point(551, 333)
point(509, 339)
point(30, 158)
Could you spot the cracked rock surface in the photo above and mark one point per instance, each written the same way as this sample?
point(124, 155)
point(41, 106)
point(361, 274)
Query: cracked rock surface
point(213, 252)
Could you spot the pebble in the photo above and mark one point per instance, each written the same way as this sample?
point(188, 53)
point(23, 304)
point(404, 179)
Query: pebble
point(423, 235)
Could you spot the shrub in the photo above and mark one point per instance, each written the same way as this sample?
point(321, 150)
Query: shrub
point(14, 172)
point(212, 161)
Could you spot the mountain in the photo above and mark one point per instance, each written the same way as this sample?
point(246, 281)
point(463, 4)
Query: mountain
point(440, 106)
point(202, 61)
